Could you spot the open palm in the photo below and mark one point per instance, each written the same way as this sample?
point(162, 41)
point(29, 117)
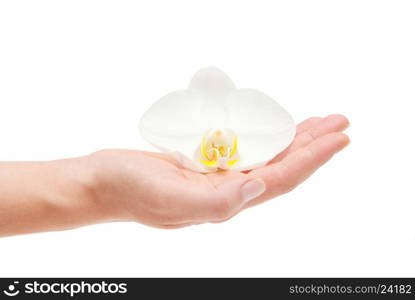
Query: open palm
point(153, 189)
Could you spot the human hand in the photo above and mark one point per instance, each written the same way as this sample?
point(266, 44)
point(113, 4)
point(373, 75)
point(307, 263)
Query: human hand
point(153, 189)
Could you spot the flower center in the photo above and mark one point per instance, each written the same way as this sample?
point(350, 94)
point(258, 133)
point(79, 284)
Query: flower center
point(218, 149)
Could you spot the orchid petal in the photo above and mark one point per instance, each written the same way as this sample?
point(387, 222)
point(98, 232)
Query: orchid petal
point(212, 83)
point(178, 123)
point(263, 126)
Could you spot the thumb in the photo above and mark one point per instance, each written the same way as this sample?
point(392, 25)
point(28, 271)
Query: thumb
point(235, 194)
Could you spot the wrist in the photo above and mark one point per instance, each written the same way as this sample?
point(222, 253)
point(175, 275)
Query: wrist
point(89, 200)
point(72, 193)
point(99, 189)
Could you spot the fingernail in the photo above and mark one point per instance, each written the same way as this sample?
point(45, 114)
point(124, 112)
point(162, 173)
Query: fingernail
point(252, 189)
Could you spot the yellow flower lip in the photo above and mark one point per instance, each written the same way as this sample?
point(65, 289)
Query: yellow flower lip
point(218, 149)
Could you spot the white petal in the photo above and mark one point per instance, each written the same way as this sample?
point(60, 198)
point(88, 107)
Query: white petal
point(177, 122)
point(174, 124)
point(263, 127)
point(212, 83)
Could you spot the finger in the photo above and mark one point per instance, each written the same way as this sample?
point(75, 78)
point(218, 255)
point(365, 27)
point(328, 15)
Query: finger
point(297, 167)
point(175, 226)
point(332, 123)
point(283, 176)
point(302, 127)
point(307, 124)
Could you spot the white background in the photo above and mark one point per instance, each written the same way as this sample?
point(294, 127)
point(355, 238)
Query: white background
point(75, 77)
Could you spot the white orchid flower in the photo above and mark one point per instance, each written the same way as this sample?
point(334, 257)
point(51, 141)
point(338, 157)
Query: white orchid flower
point(212, 125)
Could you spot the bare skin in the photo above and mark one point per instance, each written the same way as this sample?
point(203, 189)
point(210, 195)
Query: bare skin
point(151, 188)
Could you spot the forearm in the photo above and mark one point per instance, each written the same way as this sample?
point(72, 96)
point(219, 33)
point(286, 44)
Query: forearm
point(44, 196)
